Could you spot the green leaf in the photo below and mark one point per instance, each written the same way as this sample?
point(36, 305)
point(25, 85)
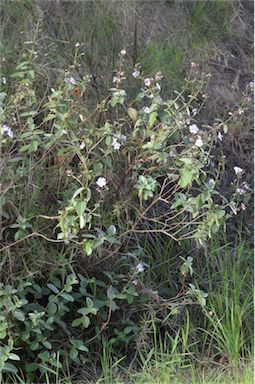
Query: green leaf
point(83, 348)
point(84, 311)
point(67, 297)
point(47, 344)
point(152, 119)
point(34, 346)
point(85, 321)
point(49, 117)
point(13, 356)
point(111, 230)
point(80, 207)
point(89, 302)
point(19, 315)
point(73, 353)
point(53, 288)
point(30, 113)
point(186, 177)
point(77, 322)
point(8, 367)
point(132, 113)
point(31, 367)
point(52, 308)
point(88, 247)
point(76, 193)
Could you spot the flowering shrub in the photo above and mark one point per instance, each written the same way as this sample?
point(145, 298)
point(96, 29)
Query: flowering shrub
point(128, 166)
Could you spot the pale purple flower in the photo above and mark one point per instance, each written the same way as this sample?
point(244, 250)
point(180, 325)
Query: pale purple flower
point(140, 268)
point(82, 145)
point(147, 82)
point(147, 110)
point(193, 128)
point(136, 73)
point(123, 139)
point(72, 80)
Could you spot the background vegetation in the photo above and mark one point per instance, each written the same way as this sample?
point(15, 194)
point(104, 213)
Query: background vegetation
point(121, 314)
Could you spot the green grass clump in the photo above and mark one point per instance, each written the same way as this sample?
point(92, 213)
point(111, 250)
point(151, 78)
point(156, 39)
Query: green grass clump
point(210, 19)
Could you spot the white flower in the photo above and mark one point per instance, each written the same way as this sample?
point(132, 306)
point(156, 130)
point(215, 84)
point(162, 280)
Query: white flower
point(10, 133)
point(212, 183)
point(140, 267)
point(158, 87)
point(194, 65)
point(193, 128)
point(101, 182)
point(136, 73)
point(240, 191)
point(220, 136)
point(199, 142)
point(147, 110)
point(147, 82)
point(123, 52)
point(72, 80)
point(251, 85)
point(82, 145)
point(8, 130)
point(115, 144)
point(77, 44)
point(3, 80)
point(194, 111)
point(115, 79)
point(240, 111)
point(4, 128)
point(69, 172)
point(244, 188)
point(238, 170)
